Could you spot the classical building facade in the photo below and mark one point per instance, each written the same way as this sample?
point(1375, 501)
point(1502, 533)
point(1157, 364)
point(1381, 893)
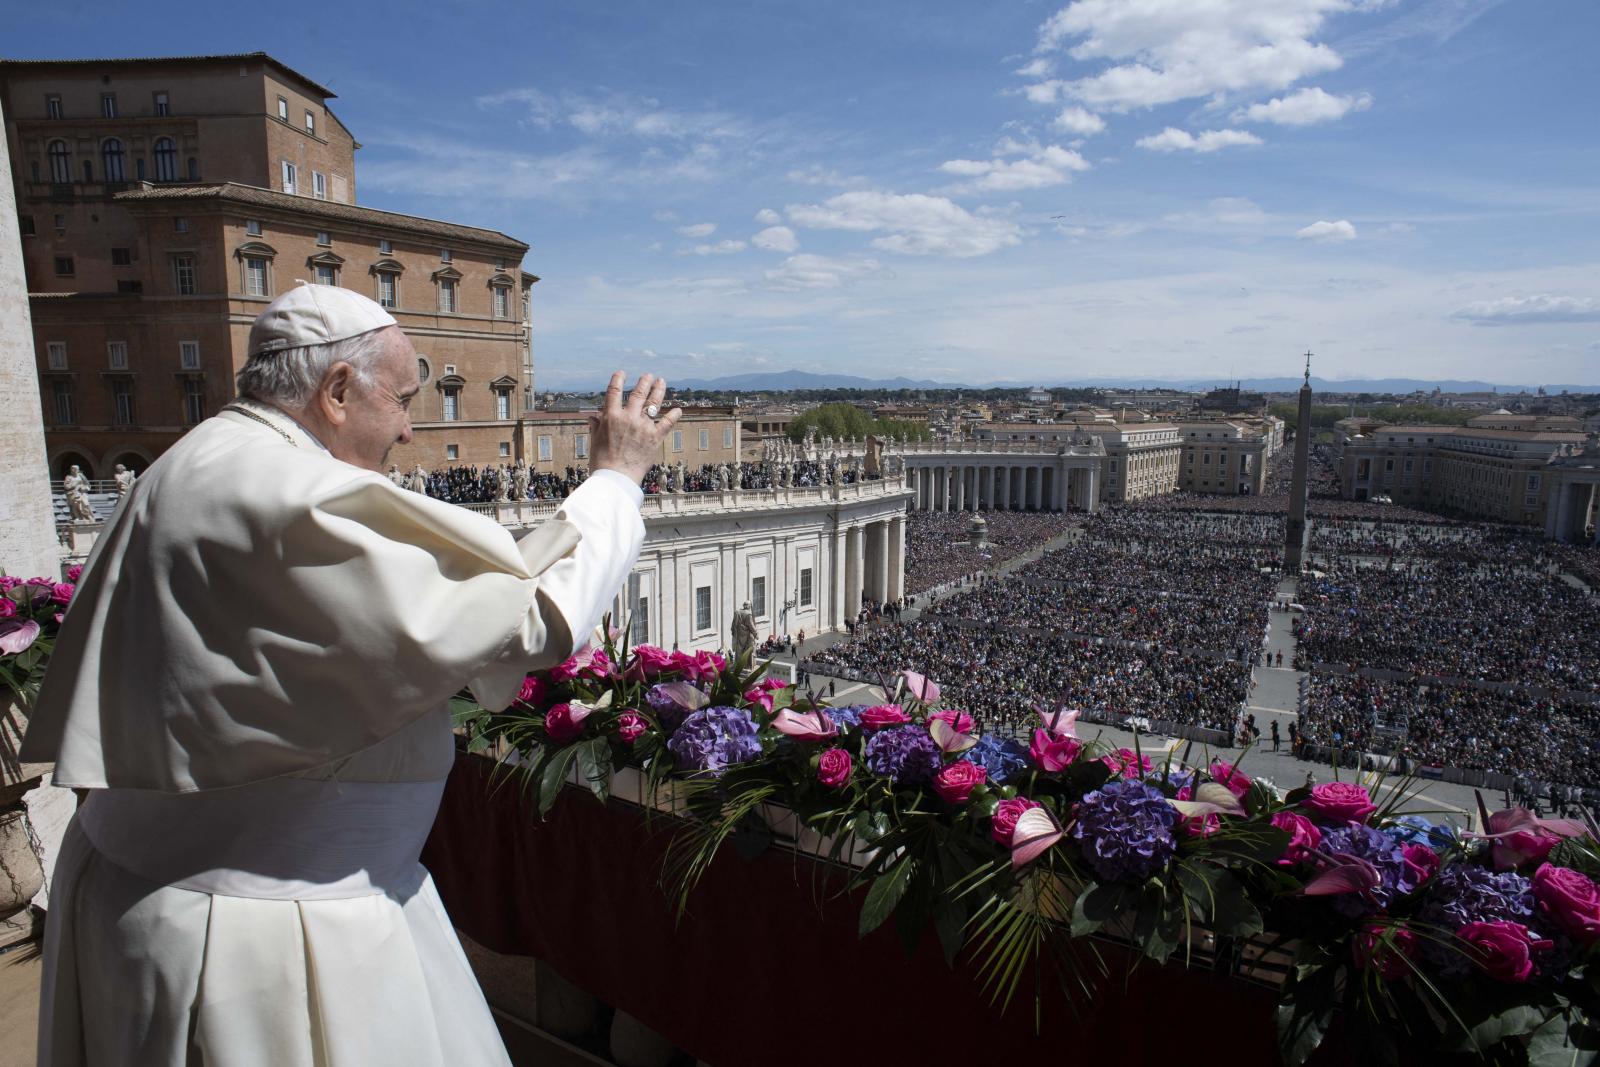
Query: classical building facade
point(1225, 456)
point(164, 202)
point(988, 475)
point(560, 439)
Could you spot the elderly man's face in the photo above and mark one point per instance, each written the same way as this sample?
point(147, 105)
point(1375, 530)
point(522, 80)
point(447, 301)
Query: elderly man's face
point(378, 416)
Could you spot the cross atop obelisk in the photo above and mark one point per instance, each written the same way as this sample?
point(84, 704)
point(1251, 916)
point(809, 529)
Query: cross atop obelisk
point(1295, 532)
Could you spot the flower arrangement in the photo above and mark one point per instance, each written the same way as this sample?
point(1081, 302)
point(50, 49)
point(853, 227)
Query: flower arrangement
point(1022, 855)
point(31, 611)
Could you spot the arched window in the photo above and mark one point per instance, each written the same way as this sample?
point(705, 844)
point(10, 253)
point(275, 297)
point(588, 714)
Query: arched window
point(60, 163)
point(166, 160)
point(111, 159)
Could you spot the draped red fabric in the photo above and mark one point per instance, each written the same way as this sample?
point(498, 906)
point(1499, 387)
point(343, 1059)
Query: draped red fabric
point(758, 974)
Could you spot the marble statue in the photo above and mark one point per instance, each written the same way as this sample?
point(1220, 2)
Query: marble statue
point(520, 479)
point(417, 481)
point(397, 476)
point(681, 477)
point(744, 630)
point(76, 486)
point(124, 479)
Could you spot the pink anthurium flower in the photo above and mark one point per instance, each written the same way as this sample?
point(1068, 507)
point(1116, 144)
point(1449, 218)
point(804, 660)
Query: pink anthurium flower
point(1342, 874)
point(948, 738)
point(17, 635)
point(1036, 833)
point(805, 726)
point(685, 695)
point(1061, 722)
point(920, 687)
point(1211, 798)
point(1521, 837)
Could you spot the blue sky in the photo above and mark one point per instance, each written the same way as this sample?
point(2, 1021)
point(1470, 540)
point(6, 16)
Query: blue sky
point(964, 192)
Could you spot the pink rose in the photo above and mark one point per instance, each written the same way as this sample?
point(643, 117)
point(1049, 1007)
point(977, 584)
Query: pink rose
point(74, 572)
point(708, 665)
point(1003, 823)
point(833, 768)
point(1124, 762)
point(1522, 848)
point(563, 723)
point(532, 690)
point(1224, 773)
point(630, 724)
point(599, 665)
point(8, 607)
point(565, 671)
point(770, 684)
point(1385, 949)
point(959, 721)
point(1503, 949)
point(1422, 862)
point(881, 715)
point(1339, 802)
point(648, 662)
point(41, 581)
point(1572, 901)
point(9, 581)
point(61, 593)
point(1052, 753)
point(955, 781)
point(760, 697)
point(1304, 837)
point(1197, 825)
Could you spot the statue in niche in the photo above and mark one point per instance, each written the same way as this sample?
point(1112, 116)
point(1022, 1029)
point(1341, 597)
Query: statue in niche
point(744, 630)
point(76, 486)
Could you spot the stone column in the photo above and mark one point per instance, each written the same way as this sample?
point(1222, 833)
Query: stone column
point(1003, 497)
point(1091, 490)
point(960, 476)
point(839, 585)
point(881, 567)
point(855, 571)
point(1058, 498)
point(27, 522)
point(897, 558)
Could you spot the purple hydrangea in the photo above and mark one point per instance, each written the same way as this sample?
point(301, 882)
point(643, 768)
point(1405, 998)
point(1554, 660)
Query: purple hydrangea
point(668, 710)
point(713, 739)
point(1126, 830)
point(1000, 757)
point(1414, 829)
point(1462, 894)
point(1378, 849)
point(847, 716)
point(1179, 778)
point(905, 754)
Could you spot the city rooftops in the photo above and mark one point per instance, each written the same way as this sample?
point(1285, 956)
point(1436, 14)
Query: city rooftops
point(8, 65)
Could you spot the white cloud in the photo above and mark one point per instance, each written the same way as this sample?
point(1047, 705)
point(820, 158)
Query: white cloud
point(1078, 121)
point(1034, 68)
point(1173, 139)
point(816, 175)
point(1045, 92)
point(617, 114)
point(768, 217)
point(913, 224)
point(1042, 166)
point(699, 229)
point(1327, 232)
point(1222, 211)
point(1162, 51)
point(807, 271)
point(1537, 307)
point(776, 239)
point(721, 248)
point(1304, 108)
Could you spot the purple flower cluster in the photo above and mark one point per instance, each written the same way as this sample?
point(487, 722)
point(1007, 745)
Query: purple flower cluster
point(1462, 894)
point(905, 754)
point(1126, 830)
point(847, 716)
point(713, 739)
point(1000, 757)
point(1378, 849)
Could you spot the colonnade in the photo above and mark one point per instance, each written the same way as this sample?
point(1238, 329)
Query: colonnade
point(869, 565)
point(1006, 486)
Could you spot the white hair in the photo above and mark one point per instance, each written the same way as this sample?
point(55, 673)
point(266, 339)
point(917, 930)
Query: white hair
point(291, 375)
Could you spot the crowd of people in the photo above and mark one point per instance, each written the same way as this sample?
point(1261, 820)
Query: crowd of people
point(940, 548)
point(1516, 733)
point(486, 485)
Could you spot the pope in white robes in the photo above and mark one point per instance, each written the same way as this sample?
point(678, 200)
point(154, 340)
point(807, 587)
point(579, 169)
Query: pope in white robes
point(252, 684)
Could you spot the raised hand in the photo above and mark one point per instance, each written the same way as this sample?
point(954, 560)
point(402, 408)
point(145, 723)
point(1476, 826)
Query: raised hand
point(623, 436)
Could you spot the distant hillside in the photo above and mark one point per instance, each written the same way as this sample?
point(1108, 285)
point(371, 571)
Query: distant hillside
point(799, 379)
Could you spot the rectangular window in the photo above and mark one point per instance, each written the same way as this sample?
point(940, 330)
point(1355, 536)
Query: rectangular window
point(163, 105)
point(452, 405)
point(727, 437)
point(122, 257)
point(502, 404)
point(117, 355)
point(56, 355)
point(444, 255)
point(505, 449)
point(255, 277)
point(324, 238)
point(544, 448)
point(52, 106)
point(639, 621)
point(502, 303)
point(386, 290)
point(327, 275)
point(65, 267)
point(677, 440)
point(289, 174)
point(758, 596)
point(283, 109)
point(180, 224)
point(580, 446)
point(108, 105)
point(189, 355)
point(66, 411)
point(447, 295)
point(705, 440)
point(386, 246)
point(311, 124)
point(122, 401)
point(26, 222)
point(253, 227)
point(319, 185)
point(194, 401)
point(702, 608)
point(452, 452)
point(805, 587)
point(1533, 482)
point(183, 275)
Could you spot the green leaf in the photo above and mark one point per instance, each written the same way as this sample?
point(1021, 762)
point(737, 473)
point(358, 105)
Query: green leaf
point(1158, 924)
point(1511, 1021)
point(1563, 1042)
point(1305, 1011)
point(556, 768)
point(950, 923)
point(1098, 904)
point(885, 894)
point(594, 766)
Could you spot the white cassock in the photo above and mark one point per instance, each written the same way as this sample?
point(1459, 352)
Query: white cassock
point(253, 680)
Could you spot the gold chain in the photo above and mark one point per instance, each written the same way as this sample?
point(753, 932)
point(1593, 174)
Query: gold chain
point(247, 413)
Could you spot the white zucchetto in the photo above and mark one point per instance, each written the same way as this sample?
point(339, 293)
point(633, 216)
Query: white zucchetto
point(315, 315)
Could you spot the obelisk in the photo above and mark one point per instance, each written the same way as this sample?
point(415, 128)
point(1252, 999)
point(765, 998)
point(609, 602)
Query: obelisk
point(1294, 531)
